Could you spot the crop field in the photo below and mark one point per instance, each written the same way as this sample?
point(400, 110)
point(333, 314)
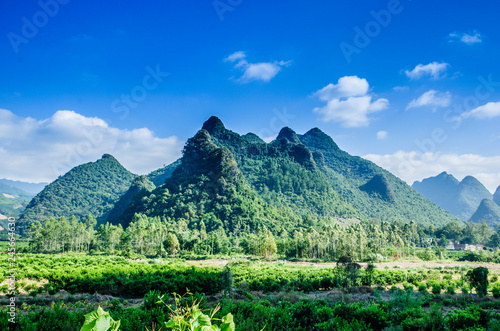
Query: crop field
point(56, 291)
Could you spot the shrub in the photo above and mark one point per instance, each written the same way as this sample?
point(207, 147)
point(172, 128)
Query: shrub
point(450, 289)
point(422, 287)
point(467, 319)
point(478, 279)
point(436, 289)
point(495, 290)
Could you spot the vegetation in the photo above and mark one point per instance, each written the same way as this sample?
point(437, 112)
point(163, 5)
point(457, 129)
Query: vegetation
point(240, 184)
point(90, 188)
point(258, 296)
point(362, 241)
point(489, 212)
point(299, 198)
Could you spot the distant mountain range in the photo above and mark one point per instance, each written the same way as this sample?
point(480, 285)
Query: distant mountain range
point(12, 202)
point(496, 196)
point(240, 183)
point(468, 199)
point(489, 212)
point(32, 188)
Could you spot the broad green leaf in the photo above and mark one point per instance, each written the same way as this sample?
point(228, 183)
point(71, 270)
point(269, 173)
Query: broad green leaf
point(102, 324)
point(99, 320)
point(115, 325)
point(228, 318)
point(206, 328)
point(227, 323)
point(204, 320)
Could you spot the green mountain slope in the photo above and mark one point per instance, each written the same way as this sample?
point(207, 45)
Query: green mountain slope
point(489, 212)
point(350, 176)
point(207, 192)
point(91, 188)
point(284, 172)
point(311, 176)
point(239, 183)
point(159, 176)
point(122, 211)
point(496, 196)
point(459, 198)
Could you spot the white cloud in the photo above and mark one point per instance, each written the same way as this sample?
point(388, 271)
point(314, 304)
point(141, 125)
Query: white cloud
point(469, 39)
point(434, 70)
point(262, 71)
point(487, 111)
point(40, 150)
point(235, 56)
point(348, 102)
point(382, 135)
point(401, 88)
point(412, 166)
point(431, 98)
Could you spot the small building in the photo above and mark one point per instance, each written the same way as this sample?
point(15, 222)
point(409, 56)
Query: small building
point(464, 247)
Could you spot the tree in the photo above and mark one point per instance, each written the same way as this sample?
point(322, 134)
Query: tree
point(478, 279)
point(494, 240)
point(90, 223)
point(268, 247)
point(172, 244)
point(35, 236)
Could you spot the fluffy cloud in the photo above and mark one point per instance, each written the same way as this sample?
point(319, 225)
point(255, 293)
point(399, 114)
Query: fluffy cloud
point(348, 102)
point(382, 135)
point(40, 150)
point(431, 98)
point(469, 39)
point(434, 70)
point(487, 111)
point(262, 71)
point(412, 166)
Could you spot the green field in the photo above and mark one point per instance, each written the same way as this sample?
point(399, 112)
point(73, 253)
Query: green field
point(55, 291)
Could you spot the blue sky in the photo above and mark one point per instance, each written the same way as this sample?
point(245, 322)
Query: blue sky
point(411, 85)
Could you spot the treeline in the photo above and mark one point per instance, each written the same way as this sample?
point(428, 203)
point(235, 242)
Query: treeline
point(154, 236)
point(472, 233)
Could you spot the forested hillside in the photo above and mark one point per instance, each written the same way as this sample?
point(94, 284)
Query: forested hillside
point(207, 192)
point(91, 188)
point(314, 175)
point(488, 212)
point(240, 183)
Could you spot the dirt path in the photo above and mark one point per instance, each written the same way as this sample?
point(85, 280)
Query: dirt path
point(400, 264)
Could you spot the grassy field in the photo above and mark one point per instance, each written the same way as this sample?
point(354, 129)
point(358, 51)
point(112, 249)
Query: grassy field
point(400, 294)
